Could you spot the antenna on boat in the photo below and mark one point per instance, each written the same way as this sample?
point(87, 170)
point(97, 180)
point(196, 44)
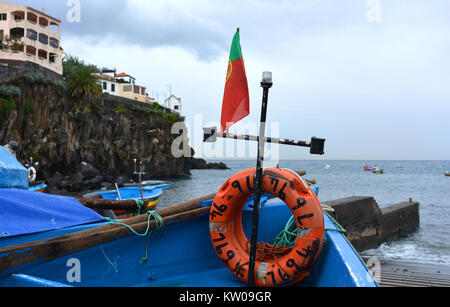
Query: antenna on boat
point(140, 173)
point(316, 146)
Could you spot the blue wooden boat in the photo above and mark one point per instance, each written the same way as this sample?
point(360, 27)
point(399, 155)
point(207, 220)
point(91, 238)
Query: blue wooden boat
point(38, 187)
point(180, 256)
point(150, 195)
point(149, 192)
point(144, 183)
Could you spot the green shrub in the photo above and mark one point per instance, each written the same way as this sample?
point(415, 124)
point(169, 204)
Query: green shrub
point(10, 91)
point(26, 110)
point(6, 106)
point(120, 108)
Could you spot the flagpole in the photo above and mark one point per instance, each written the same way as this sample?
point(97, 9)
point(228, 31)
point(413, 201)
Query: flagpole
point(266, 84)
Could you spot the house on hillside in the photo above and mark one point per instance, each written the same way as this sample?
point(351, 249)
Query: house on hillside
point(174, 104)
point(108, 82)
point(122, 85)
point(36, 37)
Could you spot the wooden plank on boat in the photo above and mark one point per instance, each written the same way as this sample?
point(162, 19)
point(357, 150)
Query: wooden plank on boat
point(53, 248)
point(108, 204)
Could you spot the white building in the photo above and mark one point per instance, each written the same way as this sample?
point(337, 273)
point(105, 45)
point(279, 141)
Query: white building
point(109, 84)
point(173, 103)
point(122, 85)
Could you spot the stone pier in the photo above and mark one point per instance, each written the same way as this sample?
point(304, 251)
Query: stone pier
point(368, 226)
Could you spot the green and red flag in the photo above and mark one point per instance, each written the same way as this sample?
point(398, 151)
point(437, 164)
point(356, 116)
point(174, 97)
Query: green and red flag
point(236, 101)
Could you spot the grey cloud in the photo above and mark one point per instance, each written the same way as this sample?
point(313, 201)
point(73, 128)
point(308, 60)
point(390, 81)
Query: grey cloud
point(117, 21)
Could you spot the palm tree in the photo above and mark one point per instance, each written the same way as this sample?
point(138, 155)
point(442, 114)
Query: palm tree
point(83, 84)
point(70, 63)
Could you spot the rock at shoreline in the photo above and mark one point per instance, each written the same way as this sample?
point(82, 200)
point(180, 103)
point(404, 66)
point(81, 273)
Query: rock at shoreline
point(200, 164)
point(88, 178)
point(88, 171)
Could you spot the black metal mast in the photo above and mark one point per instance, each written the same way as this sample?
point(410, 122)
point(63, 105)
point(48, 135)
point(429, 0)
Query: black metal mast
point(266, 84)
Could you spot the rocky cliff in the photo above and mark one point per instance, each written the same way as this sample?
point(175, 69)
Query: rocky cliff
point(61, 133)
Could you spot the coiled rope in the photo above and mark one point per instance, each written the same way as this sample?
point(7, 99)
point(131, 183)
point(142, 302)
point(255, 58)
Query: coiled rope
point(159, 228)
point(288, 236)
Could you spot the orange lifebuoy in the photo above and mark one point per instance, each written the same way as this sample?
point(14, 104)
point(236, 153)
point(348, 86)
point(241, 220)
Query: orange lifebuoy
point(275, 268)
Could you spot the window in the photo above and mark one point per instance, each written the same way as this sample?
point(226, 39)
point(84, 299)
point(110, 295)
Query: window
point(17, 32)
point(30, 50)
point(176, 108)
point(105, 86)
point(43, 38)
point(31, 34)
point(54, 42)
point(113, 87)
point(52, 58)
point(42, 54)
point(127, 88)
point(3, 16)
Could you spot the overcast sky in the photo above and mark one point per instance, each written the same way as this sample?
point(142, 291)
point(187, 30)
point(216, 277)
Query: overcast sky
point(372, 77)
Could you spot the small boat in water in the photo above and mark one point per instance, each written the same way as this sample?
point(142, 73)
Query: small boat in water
point(369, 168)
point(378, 171)
point(328, 167)
point(145, 183)
point(150, 196)
point(39, 186)
point(447, 174)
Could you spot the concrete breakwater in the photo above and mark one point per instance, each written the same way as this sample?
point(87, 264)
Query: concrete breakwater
point(368, 226)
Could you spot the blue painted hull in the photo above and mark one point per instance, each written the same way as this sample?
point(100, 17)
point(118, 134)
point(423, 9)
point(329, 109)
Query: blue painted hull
point(38, 188)
point(12, 174)
point(149, 192)
point(181, 256)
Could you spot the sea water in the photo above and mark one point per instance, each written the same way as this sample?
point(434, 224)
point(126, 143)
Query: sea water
point(423, 181)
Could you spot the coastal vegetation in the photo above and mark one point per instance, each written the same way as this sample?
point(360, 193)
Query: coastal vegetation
point(7, 103)
point(37, 79)
point(72, 63)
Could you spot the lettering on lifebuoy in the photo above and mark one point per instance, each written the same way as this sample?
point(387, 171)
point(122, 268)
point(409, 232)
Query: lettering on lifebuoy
point(230, 241)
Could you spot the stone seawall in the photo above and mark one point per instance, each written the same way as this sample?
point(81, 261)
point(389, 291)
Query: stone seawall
point(368, 226)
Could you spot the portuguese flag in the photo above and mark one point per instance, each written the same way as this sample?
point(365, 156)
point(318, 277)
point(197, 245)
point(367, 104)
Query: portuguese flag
point(236, 101)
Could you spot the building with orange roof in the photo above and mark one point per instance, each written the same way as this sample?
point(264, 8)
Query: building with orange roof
point(122, 85)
